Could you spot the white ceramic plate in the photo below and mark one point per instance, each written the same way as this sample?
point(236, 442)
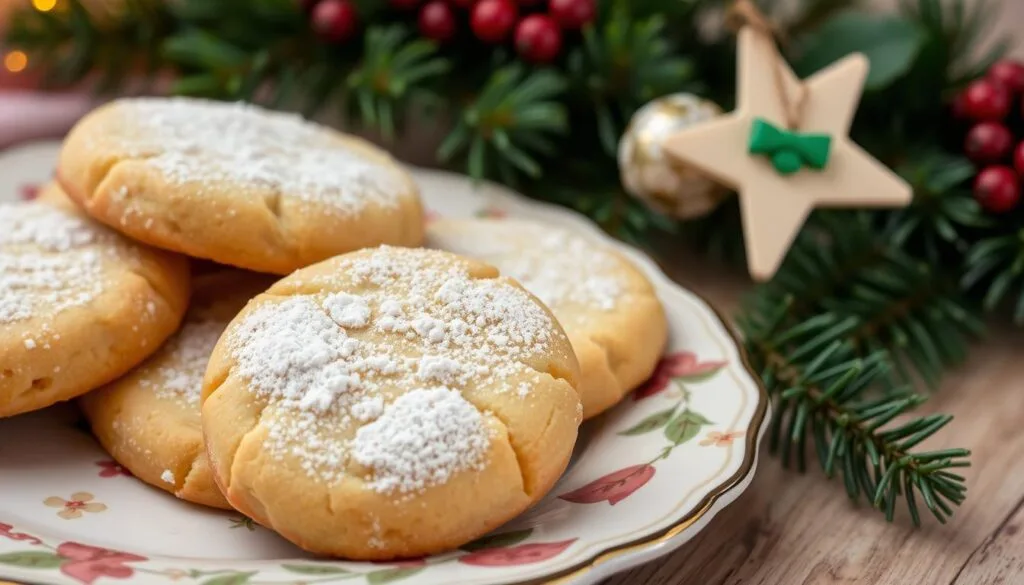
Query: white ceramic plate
point(645, 478)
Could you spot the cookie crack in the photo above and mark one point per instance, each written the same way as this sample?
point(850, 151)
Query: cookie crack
point(100, 174)
point(160, 289)
point(183, 470)
point(255, 508)
point(612, 360)
point(523, 477)
point(273, 204)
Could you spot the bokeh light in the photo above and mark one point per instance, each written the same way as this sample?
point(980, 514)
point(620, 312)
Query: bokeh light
point(15, 61)
point(44, 5)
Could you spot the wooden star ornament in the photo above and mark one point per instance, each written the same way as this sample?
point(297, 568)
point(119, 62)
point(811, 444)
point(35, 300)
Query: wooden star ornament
point(780, 172)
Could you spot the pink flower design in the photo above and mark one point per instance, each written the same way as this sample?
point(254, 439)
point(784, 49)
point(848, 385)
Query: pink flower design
point(684, 365)
point(523, 554)
point(87, 563)
point(720, 439)
point(112, 469)
point(613, 487)
point(8, 531)
point(28, 191)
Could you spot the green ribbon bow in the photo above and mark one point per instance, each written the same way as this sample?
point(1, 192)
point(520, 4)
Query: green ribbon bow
point(789, 151)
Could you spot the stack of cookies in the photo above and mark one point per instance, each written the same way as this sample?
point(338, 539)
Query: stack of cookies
point(253, 314)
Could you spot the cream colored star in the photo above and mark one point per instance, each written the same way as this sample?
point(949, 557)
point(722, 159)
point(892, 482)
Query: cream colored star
point(774, 206)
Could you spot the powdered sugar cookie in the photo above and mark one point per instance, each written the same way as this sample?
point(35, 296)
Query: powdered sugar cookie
point(79, 304)
point(607, 306)
point(149, 419)
point(236, 184)
point(390, 403)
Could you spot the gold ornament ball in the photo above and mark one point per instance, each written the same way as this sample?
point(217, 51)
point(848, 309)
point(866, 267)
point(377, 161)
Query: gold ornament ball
point(663, 183)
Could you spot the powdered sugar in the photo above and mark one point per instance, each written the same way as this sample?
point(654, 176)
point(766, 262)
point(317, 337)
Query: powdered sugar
point(421, 439)
point(49, 261)
point(167, 476)
point(342, 372)
point(440, 369)
point(348, 310)
point(555, 264)
point(199, 143)
point(183, 362)
point(293, 352)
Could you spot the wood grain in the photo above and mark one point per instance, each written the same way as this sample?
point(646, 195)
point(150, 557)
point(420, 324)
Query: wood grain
point(791, 528)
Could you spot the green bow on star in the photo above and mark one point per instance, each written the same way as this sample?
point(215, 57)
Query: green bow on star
point(789, 151)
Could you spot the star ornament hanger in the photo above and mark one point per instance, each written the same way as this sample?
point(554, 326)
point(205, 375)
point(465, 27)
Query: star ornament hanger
point(781, 175)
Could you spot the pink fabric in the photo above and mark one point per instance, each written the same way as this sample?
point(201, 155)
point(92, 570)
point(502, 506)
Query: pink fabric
point(27, 115)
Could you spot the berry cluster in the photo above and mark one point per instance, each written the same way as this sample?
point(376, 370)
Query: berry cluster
point(536, 33)
point(994, 106)
point(536, 26)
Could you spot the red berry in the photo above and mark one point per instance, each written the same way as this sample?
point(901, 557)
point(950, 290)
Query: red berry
point(986, 100)
point(1009, 73)
point(492, 20)
point(1018, 159)
point(538, 38)
point(572, 14)
point(334, 20)
point(988, 142)
point(437, 21)
point(997, 189)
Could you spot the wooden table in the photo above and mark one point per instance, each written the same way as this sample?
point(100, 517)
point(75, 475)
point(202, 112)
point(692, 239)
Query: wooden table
point(790, 529)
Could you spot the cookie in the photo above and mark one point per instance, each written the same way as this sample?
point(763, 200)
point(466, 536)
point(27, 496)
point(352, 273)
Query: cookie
point(149, 420)
point(390, 403)
point(236, 184)
point(606, 305)
point(79, 304)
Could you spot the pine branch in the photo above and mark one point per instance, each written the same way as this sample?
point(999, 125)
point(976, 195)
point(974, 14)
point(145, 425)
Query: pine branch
point(842, 265)
point(510, 123)
point(943, 217)
point(623, 63)
point(394, 70)
point(826, 394)
point(955, 27)
point(995, 265)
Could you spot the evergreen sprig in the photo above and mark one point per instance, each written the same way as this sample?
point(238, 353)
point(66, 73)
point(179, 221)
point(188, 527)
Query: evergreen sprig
point(954, 29)
point(622, 63)
point(393, 72)
point(838, 336)
point(844, 266)
point(996, 265)
point(510, 123)
point(943, 217)
point(841, 402)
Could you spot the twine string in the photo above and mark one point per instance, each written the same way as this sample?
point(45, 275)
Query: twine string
point(746, 13)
